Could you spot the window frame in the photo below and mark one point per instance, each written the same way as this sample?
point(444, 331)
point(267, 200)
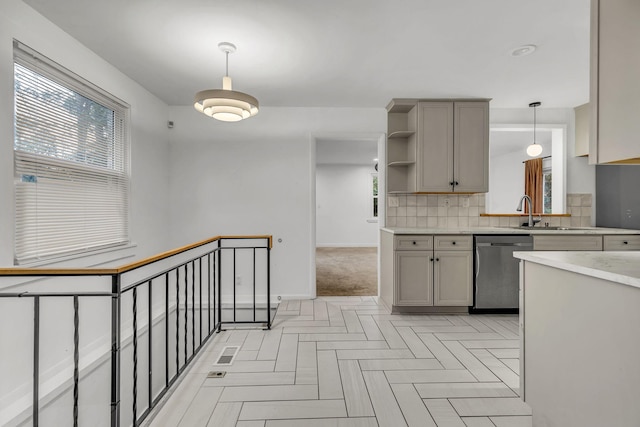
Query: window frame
point(39, 64)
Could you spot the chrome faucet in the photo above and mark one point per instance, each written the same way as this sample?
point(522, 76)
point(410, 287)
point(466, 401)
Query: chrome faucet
point(531, 222)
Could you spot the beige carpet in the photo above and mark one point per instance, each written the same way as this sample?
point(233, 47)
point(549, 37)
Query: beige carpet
point(346, 271)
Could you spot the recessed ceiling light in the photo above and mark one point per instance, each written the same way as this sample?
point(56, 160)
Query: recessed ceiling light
point(375, 160)
point(525, 50)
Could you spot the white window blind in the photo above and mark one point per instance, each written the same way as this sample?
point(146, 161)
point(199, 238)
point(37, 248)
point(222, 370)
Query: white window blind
point(70, 162)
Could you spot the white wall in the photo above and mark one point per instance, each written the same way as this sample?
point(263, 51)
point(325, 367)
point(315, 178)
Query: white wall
point(506, 180)
point(580, 176)
point(149, 137)
point(257, 177)
point(343, 206)
point(149, 213)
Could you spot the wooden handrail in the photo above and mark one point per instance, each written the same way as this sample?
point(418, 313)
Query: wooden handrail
point(13, 271)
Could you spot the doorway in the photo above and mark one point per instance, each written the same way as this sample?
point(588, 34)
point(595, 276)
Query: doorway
point(347, 227)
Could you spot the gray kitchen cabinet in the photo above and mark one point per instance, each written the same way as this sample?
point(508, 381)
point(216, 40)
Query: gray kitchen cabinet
point(452, 278)
point(428, 273)
point(564, 242)
point(618, 242)
point(614, 89)
point(414, 276)
point(453, 147)
point(438, 146)
point(582, 130)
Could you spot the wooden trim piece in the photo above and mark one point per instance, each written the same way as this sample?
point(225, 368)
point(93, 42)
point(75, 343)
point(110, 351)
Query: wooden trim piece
point(13, 271)
point(525, 215)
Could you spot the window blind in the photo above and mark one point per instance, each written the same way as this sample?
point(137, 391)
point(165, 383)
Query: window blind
point(70, 163)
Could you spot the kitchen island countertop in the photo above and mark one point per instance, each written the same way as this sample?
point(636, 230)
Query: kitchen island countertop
point(618, 267)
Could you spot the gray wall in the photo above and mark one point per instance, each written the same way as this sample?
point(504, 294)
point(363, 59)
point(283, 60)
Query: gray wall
point(618, 201)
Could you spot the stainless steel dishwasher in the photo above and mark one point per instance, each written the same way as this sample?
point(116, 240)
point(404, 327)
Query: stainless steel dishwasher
point(496, 284)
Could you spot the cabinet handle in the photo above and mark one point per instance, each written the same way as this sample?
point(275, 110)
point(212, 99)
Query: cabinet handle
point(431, 259)
point(625, 242)
point(437, 259)
point(452, 183)
point(457, 183)
point(453, 243)
point(414, 243)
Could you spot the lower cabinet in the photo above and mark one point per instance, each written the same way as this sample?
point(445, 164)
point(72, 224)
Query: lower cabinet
point(414, 276)
point(430, 274)
point(452, 278)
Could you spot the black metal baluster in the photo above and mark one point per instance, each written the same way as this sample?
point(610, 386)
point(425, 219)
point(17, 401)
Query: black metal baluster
point(186, 311)
point(166, 330)
point(76, 359)
point(36, 359)
point(135, 355)
point(177, 321)
point(268, 286)
point(219, 288)
point(254, 284)
point(233, 282)
point(209, 293)
point(200, 295)
point(193, 308)
point(150, 342)
point(115, 350)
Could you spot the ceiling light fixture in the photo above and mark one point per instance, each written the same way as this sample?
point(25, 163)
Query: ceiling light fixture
point(534, 149)
point(226, 104)
point(525, 50)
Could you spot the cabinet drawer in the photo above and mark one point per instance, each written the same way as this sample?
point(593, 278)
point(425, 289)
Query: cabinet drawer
point(452, 243)
point(414, 243)
point(567, 243)
point(622, 243)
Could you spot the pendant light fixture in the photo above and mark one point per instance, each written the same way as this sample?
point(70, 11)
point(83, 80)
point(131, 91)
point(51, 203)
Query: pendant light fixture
point(226, 104)
point(534, 149)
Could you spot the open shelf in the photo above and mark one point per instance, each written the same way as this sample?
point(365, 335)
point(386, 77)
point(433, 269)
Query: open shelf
point(401, 163)
point(401, 134)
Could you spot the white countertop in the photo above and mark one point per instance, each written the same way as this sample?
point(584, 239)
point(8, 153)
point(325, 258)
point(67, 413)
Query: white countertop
point(619, 267)
point(507, 230)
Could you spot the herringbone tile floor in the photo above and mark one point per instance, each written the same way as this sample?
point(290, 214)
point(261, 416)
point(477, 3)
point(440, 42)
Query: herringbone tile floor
point(345, 361)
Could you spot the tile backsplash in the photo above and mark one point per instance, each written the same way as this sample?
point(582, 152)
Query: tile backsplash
point(460, 211)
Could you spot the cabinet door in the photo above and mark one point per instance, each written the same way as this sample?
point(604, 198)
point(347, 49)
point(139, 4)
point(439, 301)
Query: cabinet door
point(414, 278)
point(471, 147)
point(435, 147)
point(453, 280)
point(614, 92)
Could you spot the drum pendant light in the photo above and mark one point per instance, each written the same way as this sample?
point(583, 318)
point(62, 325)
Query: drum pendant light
point(226, 104)
point(534, 149)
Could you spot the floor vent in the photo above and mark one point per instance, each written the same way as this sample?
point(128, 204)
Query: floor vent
point(227, 355)
point(216, 374)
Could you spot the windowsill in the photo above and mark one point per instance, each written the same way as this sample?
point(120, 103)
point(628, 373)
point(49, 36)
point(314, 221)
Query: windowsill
point(372, 220)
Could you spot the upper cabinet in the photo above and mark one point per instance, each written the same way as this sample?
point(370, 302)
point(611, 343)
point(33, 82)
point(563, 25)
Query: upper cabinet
point(438, 146)
point(582, 130)
point(615, 82)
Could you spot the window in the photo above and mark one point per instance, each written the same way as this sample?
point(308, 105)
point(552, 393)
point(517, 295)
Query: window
point(374, 195)
point(70, 162)
point(546, 186)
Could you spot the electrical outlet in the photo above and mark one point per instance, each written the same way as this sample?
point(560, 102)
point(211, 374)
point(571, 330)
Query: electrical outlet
point(465, 202)
point(447, 203)
point(393, 202)
point(238, 280)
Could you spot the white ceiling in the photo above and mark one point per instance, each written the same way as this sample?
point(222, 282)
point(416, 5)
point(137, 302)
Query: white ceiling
point(336, 53)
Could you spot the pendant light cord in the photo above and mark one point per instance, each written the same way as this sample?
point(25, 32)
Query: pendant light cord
point(534, 124)
point(227, 73)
